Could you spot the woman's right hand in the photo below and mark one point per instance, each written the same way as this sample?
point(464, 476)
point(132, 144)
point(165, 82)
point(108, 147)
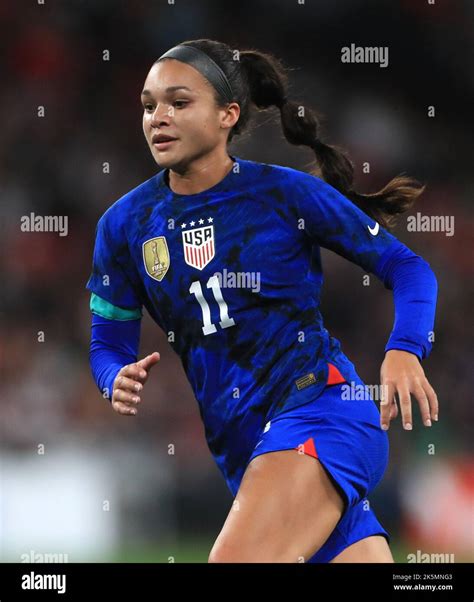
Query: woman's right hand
point(129, 383)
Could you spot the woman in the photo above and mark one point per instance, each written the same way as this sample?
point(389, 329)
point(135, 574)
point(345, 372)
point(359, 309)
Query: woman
point(224, 254)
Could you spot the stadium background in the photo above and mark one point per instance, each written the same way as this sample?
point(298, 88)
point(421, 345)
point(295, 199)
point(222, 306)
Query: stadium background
point(80, 481)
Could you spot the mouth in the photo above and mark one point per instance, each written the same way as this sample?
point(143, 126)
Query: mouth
point(162, 142)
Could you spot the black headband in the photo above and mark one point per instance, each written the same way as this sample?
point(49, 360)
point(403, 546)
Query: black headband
point(205, 65)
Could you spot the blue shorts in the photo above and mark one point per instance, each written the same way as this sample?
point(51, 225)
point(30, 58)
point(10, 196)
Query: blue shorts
point(345, 436)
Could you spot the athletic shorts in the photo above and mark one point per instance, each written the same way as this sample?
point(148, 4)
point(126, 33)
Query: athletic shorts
point(344, 434)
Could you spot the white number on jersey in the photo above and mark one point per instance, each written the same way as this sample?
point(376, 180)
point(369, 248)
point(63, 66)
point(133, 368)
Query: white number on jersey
point(225, 321)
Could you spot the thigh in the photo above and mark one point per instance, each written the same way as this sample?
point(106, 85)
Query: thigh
point(285, 509)
point(344, 435)
point(369, 549)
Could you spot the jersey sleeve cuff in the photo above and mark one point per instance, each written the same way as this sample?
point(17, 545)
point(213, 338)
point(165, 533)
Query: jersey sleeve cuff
point(409, 347)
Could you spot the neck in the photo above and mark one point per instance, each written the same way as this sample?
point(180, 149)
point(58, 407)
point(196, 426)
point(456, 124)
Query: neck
point(201, 174)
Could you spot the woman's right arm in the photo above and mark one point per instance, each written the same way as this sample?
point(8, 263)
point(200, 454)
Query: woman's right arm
point(116, 304)
point(113, 361)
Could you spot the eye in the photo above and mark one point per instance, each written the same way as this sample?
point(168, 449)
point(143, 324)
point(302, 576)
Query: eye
point(148, 107)
point(181, 103)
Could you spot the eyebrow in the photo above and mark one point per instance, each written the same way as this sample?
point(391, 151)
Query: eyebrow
point(170, 89)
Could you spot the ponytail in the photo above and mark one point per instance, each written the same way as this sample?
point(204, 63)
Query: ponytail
point(268, 86)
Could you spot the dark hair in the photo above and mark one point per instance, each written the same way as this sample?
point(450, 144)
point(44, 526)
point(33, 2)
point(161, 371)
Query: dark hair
point(260, 79)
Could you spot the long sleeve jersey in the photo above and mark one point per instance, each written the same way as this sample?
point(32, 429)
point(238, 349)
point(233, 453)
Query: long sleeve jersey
point(233, 277)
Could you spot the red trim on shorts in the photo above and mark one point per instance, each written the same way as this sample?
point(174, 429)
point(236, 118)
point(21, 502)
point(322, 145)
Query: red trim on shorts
point(334, 376)
point(308, 448)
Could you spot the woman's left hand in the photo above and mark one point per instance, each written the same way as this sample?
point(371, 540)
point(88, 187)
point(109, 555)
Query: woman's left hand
point(401, 373)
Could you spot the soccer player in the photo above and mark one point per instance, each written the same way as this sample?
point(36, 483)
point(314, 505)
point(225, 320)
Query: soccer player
point(224, 253)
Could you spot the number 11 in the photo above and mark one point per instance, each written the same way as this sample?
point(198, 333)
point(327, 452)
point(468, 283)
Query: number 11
point(225, 322)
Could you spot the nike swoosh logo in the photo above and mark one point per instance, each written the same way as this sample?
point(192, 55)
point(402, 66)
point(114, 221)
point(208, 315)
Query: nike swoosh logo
point(375, 230)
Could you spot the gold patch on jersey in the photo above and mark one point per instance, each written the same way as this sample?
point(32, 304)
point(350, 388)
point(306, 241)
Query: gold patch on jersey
point(156, 257)
point(305, 381)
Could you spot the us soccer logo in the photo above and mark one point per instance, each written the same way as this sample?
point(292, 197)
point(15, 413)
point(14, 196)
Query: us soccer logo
point(198, 245)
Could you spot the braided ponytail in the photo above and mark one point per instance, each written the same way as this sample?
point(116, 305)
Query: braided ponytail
point(268, 87)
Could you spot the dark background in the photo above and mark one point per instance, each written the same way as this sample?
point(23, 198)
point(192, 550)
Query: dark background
point(81, 480)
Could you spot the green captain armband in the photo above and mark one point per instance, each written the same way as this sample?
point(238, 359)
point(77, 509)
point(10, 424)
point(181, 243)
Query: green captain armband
point(103, 308)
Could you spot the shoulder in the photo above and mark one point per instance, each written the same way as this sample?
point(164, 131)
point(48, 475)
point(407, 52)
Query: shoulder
point(306, 189)
point(290, 187)
point(124, 210)
point(286, 176)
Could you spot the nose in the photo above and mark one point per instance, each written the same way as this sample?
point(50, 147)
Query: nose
point(160, 115)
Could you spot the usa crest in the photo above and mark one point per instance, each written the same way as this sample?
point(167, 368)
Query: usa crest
point(199, 247)
point(156, 257)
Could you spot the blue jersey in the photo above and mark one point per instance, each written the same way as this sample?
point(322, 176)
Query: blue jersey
point(233, 277)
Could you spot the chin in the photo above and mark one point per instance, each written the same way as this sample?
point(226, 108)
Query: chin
point(164, 160)
point(171, 161)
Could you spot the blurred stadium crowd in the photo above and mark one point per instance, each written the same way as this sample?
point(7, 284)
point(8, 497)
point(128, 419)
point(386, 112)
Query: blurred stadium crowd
point(53, 165)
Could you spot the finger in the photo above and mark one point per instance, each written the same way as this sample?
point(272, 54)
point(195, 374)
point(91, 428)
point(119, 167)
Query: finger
point(405, 406)
point(432, 399)
point(149, 361)
point(387, 396)
point(122, 408)
point(420, 395)
point(125, 397)
point(393, 410)
point(127, 384)
point(134, 371)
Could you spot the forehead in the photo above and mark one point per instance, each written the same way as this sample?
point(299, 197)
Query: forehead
point(170, 72)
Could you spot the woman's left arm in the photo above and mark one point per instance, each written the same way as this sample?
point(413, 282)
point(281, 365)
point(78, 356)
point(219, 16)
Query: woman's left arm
point(331, 220)
point(415, 290)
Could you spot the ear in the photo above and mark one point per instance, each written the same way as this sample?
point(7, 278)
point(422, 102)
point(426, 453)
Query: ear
point(229, 115)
